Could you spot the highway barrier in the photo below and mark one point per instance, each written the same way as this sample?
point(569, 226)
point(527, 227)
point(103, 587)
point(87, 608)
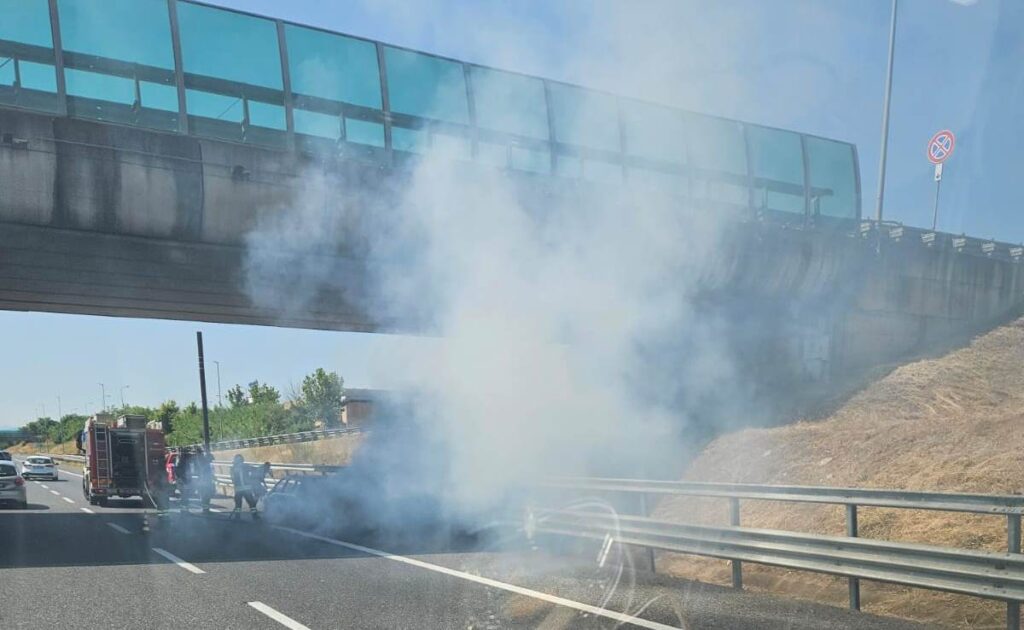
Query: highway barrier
point(222, 469)
point(284, 438)
point(222, 472)
point(989, 575)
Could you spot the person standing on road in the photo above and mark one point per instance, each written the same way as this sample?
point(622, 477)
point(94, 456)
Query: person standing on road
point(260, 477)
point(206, 488)
point(241, 481)
point(183, 478)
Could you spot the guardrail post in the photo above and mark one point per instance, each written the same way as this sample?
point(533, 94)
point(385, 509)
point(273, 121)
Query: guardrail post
point(1013, 546)
point(645, 512)
point(734, 520)
point(851, 531)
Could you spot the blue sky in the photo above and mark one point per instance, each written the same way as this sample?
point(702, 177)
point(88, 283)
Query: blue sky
point(812, 65)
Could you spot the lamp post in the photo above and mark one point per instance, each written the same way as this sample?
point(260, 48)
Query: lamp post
point(60, 425)
point(885, 116)
point(123, 387)
point(103, 392)
point(220, 401)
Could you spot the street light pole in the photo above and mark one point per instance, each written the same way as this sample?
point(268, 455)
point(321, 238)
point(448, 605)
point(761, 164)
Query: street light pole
point(123, 387)
point(60, 425)
point(885, 116)
point(220, 401)
point(103, 392)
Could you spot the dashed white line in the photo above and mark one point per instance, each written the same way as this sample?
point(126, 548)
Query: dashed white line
point(188, 566)
point(87, 510)
point(67, 499)
point(216, 510)
point(68, 472)
point(284, 620)
point(44, 485)
point(118, 528)
point(54, 492)
point(512, 588)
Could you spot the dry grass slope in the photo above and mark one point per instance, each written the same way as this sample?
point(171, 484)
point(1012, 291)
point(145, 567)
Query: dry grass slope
point(336, 452)
point(954, 423)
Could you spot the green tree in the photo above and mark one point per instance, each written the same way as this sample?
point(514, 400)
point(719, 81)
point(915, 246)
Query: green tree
point(192, 409)
point(321, 396)
point(237, 398)
point(261, 393)
point(166, 414)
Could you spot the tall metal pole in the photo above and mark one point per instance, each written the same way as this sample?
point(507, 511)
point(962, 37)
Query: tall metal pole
point(60, 425)
point(220, 401)
point(123, 387)
point(935, 210)
point(103, 391)
point(885, 116)
point(202, 393)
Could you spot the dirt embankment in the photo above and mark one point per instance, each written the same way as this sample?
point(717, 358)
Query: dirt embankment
point(954, 423)
point(31, 448)
point(335, 452)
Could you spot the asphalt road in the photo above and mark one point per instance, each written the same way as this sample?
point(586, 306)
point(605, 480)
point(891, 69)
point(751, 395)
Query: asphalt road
point(65, 564)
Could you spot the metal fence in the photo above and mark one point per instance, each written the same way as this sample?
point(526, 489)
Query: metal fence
point(981, 574)
point(273, 440)
point(221, 469)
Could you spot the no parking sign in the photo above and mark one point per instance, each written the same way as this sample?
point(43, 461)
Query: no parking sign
point(940, 147)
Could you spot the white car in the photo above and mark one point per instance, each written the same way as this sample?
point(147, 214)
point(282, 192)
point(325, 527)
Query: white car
point(38, 466)
point(12, 486)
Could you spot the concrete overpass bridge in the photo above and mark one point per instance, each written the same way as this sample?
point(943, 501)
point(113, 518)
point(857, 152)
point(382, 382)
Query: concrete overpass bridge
point(133, 168)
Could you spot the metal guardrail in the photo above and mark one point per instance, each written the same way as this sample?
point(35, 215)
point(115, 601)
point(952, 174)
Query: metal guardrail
point(981, 574)
point(284, 438)
point(995, 575)
point(71, 458)
point(324, 469)
point(306, 469)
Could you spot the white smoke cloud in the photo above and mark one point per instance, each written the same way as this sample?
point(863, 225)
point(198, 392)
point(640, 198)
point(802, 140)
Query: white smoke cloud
point(569, 339)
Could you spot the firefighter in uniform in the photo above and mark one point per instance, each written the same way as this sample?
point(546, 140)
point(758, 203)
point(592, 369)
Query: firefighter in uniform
point(242, 481)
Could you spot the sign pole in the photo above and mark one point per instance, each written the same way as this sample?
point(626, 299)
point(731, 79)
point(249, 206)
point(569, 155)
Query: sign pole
point(940, 147)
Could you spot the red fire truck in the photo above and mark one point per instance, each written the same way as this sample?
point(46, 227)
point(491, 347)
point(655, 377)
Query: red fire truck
point(123, 458)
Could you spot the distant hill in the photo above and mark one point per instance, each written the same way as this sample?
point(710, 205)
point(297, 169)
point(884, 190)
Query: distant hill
point(954, 423)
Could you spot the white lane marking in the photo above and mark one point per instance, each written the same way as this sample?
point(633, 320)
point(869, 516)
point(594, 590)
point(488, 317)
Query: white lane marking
point(118, 528)
point(284, 620)
point(68, 472)
point(216, 510)
point(87, 510)
point(44, 485)
point(54, 492)
point(188, 566)
point(512, 588)
point(67, 499)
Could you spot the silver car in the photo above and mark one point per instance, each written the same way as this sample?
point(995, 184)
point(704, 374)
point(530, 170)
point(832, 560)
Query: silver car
point(12, 486)
point(38, 466)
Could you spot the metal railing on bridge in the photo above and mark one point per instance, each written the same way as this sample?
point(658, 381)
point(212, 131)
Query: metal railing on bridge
point(989, 575)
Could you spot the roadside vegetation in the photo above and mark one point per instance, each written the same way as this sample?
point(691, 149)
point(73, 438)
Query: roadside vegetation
point(254, 410)
point(949, 424)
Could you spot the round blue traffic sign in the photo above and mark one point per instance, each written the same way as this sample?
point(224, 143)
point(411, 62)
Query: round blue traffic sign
point(940, 147)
